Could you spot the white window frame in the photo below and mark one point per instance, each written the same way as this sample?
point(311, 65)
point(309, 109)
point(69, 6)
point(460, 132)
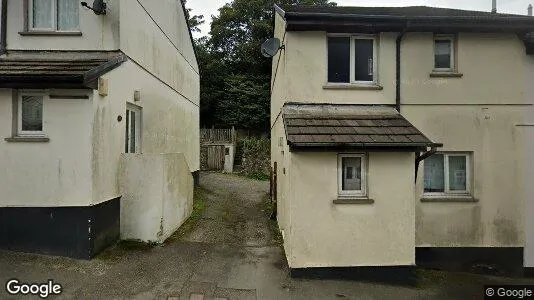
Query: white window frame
point(352, 194)
point(21, 132)
point(55, 25)
point(352, 38)
point(353, 58)
point(448, 192)
point(452, 40)
point(138, 126)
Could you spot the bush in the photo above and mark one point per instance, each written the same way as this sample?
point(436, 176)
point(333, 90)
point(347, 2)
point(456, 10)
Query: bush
point(257, 158)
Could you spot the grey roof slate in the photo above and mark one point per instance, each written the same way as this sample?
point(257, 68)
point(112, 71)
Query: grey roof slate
point(350, 126)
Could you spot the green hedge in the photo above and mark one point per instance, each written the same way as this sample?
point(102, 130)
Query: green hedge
point(257, 158)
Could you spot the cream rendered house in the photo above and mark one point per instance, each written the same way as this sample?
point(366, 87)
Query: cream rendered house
point(399, 138)
point(99, 118)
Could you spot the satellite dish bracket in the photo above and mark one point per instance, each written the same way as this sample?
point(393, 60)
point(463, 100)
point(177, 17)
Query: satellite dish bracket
point(99, 7)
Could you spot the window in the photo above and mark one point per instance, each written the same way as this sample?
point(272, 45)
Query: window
point(444, 53)
point(133, 130)
point(53, 15)
point(447, 174)
point(352, 59)
point(30, 115)
point(352, 175)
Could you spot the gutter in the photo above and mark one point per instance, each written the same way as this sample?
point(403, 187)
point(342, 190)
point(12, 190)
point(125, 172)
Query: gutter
point(312, 15)
point(3, 25)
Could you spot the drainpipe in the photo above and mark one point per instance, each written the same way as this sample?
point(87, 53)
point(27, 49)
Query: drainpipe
point(398, 75)
point(3, 25)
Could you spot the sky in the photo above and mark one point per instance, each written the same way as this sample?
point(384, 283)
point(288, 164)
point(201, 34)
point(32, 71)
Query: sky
point(210, 7)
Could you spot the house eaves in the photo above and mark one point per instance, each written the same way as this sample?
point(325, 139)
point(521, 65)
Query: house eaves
point(56, 69)
point(416, 18)
point(312, 127)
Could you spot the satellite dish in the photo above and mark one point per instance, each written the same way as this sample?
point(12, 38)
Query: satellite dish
point(99, 7)
point(270, 47)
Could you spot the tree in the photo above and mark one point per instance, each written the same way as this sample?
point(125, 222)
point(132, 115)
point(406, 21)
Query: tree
point(235, 77)
point(194, 21)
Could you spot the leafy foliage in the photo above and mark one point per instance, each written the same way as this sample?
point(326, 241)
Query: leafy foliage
point(194, 21)
point(256, 158)
point(235, 77)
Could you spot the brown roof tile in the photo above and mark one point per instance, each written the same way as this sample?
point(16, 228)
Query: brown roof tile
point(17, 67)
point(350, 126)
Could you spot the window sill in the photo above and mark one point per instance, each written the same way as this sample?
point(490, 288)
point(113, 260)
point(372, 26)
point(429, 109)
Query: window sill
point(449, 199)
point(352, 86)
point(59, 33)
point(437, 74)
point(354, 201)
point(29, 139)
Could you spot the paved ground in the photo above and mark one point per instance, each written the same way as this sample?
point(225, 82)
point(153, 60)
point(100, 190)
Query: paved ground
point(231, 252)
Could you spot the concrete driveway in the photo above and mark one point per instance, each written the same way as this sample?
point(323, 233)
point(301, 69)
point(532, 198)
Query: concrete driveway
point(229, 251)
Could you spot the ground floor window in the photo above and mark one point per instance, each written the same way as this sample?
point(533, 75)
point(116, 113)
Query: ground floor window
point(448, 173)
point(352, 175)
point(133, 129)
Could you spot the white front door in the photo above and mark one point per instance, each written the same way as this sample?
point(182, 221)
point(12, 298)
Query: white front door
point(133, 129)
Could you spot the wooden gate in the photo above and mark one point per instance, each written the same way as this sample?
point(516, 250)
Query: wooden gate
point(214, 157)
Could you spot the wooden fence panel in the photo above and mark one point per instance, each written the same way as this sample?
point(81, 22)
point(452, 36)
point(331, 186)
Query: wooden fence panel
point(214, 157)
point(212, 135)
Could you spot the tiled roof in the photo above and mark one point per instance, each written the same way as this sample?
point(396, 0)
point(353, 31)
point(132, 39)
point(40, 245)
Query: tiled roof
point(350, 126)
point(74, 67)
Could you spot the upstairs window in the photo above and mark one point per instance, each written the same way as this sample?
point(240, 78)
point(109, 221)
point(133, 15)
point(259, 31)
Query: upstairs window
point(352, 59)
point(444, 53)
point(53, 15)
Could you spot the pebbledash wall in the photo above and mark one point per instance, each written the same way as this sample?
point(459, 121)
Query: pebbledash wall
point(476, 113)
point(75, 177)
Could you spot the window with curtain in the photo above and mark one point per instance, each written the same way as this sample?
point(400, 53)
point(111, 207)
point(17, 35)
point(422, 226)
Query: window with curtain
point(30, 115)
point(447, 173)
point(54, 15)
point(444, 53)
point(352, 175)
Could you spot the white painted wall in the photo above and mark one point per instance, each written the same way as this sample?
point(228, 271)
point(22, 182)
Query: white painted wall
point(527, 166)
point(489, 133)
point(229, 158)
point(157, 195)
point(170, 124)
point(528, 191)
point(155, 50)
point(57, 173)
point(98, 32)
point(324, 234)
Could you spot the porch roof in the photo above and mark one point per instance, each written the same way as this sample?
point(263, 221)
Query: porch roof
point(56, 69)
point(333, 126)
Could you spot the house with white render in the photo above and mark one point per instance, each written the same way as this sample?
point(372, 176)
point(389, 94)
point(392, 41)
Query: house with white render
point(99, 123)
point(401, 137)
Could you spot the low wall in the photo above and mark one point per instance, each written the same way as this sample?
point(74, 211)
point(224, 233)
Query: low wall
point(157, 195)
